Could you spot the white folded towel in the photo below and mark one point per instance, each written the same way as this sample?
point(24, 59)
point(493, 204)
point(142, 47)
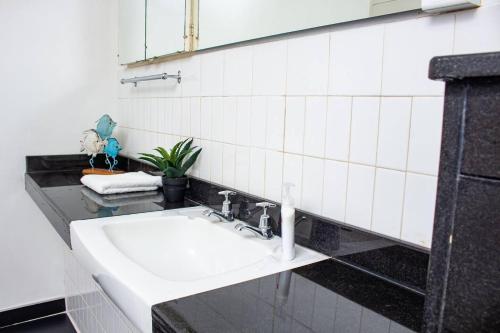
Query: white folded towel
point(122, 183)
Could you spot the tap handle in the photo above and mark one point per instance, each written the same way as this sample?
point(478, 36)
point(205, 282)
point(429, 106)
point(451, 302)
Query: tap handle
point(227, 194)
point(265, 205)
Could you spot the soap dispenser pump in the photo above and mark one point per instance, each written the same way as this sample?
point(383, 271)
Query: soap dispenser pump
point(287, 224)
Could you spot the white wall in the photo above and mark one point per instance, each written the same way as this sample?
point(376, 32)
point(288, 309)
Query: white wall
point(57, 72)
point(347, 113)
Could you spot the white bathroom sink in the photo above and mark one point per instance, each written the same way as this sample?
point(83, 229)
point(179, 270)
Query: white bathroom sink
point(144, 259)
point(192, 245)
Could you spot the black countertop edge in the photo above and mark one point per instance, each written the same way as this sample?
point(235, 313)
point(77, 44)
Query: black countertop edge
point(457, 67)
point(62, 198)
point(325, 296)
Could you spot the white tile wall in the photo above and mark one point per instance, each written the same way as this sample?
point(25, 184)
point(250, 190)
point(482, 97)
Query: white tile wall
point(346, 114)
point(89, 308)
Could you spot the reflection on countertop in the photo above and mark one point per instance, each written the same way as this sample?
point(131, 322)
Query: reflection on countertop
point(323, 297)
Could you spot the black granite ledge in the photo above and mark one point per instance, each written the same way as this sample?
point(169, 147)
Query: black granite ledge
point(456, 67)
point(388, 259)
point(327, 296)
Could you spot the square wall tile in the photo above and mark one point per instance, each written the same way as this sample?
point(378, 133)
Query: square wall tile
point(406, 59)
point(275, 124)
point(238, 71)
point(216, 162)
point(356, 61)
point(335, 190)
point(176, 127)
point(307, 64)
point(186, 117)
point(217, 122)
point(388, 202)
point(478, 30)
point(204, 164)
point(338, 128)
point(360, 183)
point(418, 211)
point(153, 114)
point(244, 106)
point(292, 173)
point(364, 129)
point(167, 107)
point(258, 117)
point(191, 75)
point(195, 117)
point(228, 165)
point(393, 132)
point(294, 124)
point(212, 73)
point(230, 106)
point(274, 174)
point(314, 126)
point(206, 118)
point(312, 184)
point(257, 171)
point(242, 168)
point(425, 135)
point(269, 68)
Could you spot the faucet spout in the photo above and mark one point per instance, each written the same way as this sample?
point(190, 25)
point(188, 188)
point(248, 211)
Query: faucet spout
point(264, 233)
point(223, 217)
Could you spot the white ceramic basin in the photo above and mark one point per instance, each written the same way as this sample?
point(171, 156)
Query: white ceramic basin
point(192, 245)
point(144, 259)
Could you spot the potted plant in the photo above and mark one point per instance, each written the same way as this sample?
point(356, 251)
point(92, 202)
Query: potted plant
point(174, 164)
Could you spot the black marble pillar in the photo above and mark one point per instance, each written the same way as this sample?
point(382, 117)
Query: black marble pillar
point(463, 285)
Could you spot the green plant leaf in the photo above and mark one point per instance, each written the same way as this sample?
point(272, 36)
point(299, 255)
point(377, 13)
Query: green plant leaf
point(154, 160)
point(190, 161)
point(173, 152)
point(182, 155)
point(186, 144)
point(163, 153)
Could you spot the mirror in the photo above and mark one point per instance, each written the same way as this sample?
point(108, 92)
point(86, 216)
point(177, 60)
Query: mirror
point(164, 27)
point(224, 22)
point(155, 28)
point(131, 28)
point(150, 28)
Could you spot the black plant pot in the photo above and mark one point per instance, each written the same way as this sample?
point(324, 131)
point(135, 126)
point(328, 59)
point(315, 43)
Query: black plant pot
point(174, 189)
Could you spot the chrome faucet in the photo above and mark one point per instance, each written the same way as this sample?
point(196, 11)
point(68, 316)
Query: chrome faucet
point(264, 230)
point(226, 214)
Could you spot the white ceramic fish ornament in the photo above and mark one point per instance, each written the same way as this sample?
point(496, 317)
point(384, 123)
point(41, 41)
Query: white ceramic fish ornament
point(91, 144)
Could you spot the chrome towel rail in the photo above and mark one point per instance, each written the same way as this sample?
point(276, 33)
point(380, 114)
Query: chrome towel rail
point(162, 76)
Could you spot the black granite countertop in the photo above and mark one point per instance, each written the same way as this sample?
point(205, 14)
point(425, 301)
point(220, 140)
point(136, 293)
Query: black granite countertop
point(373, 284)
point(54, 184)
point(328, 296)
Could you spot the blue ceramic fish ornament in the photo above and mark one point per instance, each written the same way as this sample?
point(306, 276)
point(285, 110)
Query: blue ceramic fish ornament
point(105, 126)
point(111, 149)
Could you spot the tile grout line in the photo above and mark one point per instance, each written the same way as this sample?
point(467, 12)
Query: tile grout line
point(288, 152)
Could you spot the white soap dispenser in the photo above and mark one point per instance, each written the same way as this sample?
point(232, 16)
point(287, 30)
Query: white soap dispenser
point(287, 224)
